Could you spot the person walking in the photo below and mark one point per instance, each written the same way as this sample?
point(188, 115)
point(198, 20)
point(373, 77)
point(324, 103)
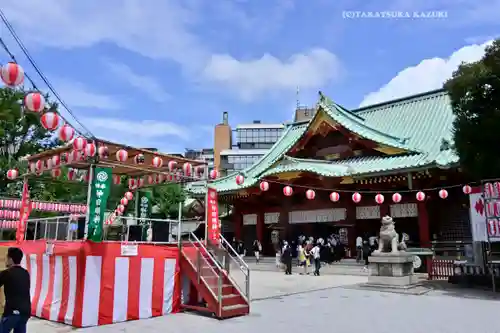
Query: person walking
point(257, 249)
point(15, 281)
point(287, 258)
point(315, 253)
point(359, 249)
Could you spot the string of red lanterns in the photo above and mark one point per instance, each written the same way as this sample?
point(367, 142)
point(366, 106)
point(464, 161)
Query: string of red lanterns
point(12, 75)
point(356, 196)
point(120, 209)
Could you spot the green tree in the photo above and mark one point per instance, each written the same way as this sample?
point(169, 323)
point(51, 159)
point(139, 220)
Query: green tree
point(167, 199)
point(474, 90)
point(21, 134)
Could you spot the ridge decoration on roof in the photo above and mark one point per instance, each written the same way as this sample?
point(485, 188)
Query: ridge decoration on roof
point(358, 125)
point(418, 125)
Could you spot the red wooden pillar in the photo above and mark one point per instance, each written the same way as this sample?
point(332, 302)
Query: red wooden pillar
point(423, 224)
point(260, 227)
point(237, 224)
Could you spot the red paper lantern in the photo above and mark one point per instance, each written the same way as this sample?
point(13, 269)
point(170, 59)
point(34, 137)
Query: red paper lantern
point(120, 208)
point(66, 133)
point(129, 195)
point(157, 162)
point(310, 194)
point(214, 174)
point(71, 174)
point(172, 165)
point(121, 155)
point(79, 143)
point(117, 180)
point(86, 177)
point(199, 170)
point(379, 198)
point(103, 152)
point(240, 179)
point(55, 161)
point(124, 201)
point(56, 173)
point(49, 121)
point(117, 212)
point(420, 196)
point(187, 169)
point(467, 189)
point(443, 194)
point(140, 182)
point(75, 156)
point(12, 174)
point(396, 197)
point(334, 197)
point(356, 197)
point(132, 183)
point(287, 191)
point(90, 150)
point(264, 186)
point(34, 101)
point(159, 178)
point(151, 179)
point(139, 159)
point(39, 165)
point(12, 74)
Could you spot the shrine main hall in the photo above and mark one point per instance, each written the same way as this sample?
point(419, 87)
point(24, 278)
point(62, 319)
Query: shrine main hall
point(343, 170)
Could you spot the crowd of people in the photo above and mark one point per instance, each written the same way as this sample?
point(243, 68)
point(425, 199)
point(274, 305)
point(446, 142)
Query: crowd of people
point(310, 254)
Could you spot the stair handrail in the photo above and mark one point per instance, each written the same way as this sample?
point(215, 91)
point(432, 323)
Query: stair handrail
point(228, 245)
point(219, 275)
point(200, 243)
point(241, 264)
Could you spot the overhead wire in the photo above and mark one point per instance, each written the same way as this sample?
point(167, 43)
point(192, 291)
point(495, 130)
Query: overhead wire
point(33, 63)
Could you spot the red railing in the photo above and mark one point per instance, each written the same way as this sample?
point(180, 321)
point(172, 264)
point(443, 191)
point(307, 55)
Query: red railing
point(440, 269)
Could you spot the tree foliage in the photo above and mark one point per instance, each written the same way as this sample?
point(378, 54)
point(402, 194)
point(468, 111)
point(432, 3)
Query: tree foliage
point(20, 134)
point(167, 199)
point(474, 90)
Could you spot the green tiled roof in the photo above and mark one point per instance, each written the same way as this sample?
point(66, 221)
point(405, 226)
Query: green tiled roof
point(418, 124)
point(357, 124)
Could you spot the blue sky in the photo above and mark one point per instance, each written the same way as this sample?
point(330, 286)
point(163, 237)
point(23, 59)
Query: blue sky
point(159, 73)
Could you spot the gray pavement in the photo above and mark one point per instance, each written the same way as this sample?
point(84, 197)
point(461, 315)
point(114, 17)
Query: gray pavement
point(341, 307)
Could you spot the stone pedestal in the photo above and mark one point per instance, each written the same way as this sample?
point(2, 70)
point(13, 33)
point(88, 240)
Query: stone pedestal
point(391, 270)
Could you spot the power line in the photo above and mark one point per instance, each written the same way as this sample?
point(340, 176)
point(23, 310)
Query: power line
point(39, 71)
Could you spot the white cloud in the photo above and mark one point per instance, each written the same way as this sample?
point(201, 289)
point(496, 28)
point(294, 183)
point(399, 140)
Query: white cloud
point(163, 30)
point(76, 95)
point(253, 77)
point(429, 74)
point(147, 84)
point(165, 136)
point(147, 129)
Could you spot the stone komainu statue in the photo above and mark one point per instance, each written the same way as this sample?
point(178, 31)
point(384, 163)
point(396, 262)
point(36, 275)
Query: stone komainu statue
point(389, 238)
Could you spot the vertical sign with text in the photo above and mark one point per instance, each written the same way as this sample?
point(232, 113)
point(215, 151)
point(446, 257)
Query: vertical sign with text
point(99, 192)
point(144, 211)
point(212, 207)
point(24, 213)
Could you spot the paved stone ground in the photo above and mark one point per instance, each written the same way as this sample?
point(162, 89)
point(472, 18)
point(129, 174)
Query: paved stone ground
point(347, 309)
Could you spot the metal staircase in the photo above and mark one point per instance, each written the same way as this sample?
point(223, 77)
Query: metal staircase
point(218, 276)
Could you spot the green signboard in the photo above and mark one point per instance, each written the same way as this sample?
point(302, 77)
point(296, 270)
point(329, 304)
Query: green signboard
point(100, 187)
point(144, 211)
